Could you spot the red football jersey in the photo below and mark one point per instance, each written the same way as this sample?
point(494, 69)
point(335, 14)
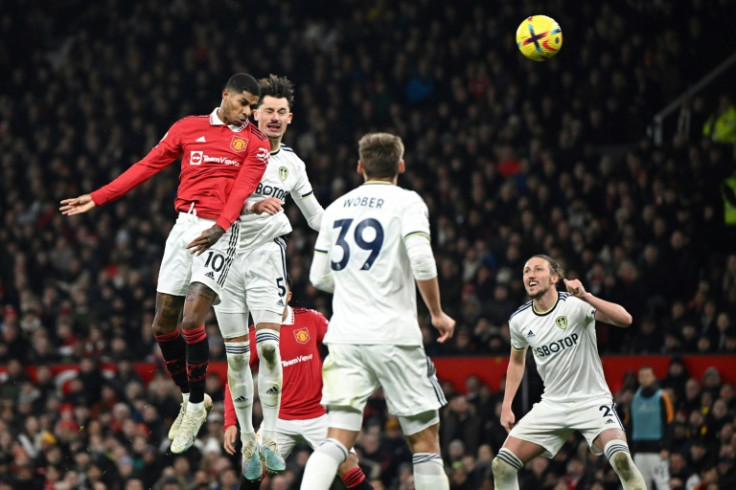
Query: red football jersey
point(220, 167)
point(301, 334)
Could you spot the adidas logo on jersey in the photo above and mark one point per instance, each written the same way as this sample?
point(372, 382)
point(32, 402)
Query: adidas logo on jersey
point(530, 334)
point(211, 275)
point(280, 302)
point(201, 139)
point(610, 421)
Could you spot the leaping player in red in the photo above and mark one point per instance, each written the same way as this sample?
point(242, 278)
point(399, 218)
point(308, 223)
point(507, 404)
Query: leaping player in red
point(223, 157)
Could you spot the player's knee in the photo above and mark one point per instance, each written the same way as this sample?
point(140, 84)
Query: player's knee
point(425, 441)
point(267, 351)
point(161, 327)
point(236, 362)
point(505, 466)
point(502, 471)
point(189, 323)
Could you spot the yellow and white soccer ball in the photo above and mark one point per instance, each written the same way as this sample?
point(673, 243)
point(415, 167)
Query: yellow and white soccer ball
point(539, 37)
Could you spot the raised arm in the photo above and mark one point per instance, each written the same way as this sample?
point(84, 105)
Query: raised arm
point(605, 311)
point(160, 157)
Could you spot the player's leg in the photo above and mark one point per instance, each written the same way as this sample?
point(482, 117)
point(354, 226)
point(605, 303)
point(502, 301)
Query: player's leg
point(196, 306)
point(173, 348)
point(429, 470)
point(413, 394)
point(322, 466)
point(352, 475)
point(173, 283)
point(543, 430)
point(208, 275)
point(348, 383)
point(240, 381)
point(613, 444)
point(267, 297)
point(511, 458)
point(232, 318)
point(314, 431)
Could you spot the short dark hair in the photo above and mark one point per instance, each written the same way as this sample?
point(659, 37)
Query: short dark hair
point(554, 266)
point(278, 87)
point(380, 154)
point(243, 82)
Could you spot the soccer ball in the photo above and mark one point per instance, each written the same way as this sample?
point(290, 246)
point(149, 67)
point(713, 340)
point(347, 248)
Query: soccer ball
point(539, 37)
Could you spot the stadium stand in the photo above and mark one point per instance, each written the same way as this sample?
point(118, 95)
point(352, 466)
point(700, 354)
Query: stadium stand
point(512, 157)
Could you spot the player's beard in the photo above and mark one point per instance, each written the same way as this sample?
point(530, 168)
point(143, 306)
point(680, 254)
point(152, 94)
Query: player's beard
point(540, 292)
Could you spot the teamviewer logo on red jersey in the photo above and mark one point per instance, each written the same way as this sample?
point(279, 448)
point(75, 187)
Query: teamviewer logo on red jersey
point(195, 157)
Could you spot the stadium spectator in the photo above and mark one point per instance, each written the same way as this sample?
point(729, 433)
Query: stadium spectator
point(651, 414)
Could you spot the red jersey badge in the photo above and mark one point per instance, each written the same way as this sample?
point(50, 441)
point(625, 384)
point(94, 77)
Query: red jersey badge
point(302, 335)
point(238, 144)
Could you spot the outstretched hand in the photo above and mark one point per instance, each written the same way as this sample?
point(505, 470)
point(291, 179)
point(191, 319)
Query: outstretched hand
point(77, 205)
point(208, 238)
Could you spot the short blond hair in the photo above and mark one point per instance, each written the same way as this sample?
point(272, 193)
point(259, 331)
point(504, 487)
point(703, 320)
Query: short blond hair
point(380, 154)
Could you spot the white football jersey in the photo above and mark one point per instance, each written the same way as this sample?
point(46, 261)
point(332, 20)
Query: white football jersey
point(285, 174)
point(363, 235)
point(563, 341)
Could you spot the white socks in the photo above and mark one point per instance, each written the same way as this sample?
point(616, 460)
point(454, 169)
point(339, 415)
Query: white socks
point(270, 377)
point(322, 465)
point(429, 472)
point(506, 468)
point(617, 452)
point(240, 380)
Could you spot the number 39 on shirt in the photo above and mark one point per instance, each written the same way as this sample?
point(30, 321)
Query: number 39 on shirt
point(366, 235)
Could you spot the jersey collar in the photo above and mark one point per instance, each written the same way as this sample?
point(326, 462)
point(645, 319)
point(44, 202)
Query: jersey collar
point(545, 313)
point(289, 320)
point(216, 121)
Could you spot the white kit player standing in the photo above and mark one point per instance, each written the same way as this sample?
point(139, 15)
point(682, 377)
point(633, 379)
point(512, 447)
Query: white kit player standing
point(372, 252)
point(559, 327)
point(257, 280)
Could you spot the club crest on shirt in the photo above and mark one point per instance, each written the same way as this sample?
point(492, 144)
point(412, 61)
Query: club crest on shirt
point(238, 144)
point(283, 173)
point(561, 321)
point(301, 335)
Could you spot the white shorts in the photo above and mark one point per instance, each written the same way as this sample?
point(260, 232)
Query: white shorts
point(289, 433)
point(550, 424)
point(351, 373)
point(256, 282)
point(180, 268)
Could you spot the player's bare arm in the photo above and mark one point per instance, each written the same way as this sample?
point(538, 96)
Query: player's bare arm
point(77, 205)
point(514, 375)
point(430, 291)
point(208, 238)
point(605, 311)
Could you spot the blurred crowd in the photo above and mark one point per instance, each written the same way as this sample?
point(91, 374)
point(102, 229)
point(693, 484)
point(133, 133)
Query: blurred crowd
point(512, 158)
